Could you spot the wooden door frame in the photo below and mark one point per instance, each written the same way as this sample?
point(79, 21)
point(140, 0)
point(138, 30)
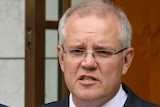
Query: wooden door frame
point(35, 26)
point(34, 52)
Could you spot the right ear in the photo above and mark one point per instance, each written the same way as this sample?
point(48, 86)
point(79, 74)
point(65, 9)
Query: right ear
point(60, 57)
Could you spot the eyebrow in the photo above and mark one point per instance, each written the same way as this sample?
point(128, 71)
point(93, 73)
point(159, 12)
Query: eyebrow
point(95, 46)
point(75, 46)
point(105, 47)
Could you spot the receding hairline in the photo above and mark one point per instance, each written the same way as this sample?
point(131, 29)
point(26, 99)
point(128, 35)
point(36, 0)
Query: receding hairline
point(100, 9)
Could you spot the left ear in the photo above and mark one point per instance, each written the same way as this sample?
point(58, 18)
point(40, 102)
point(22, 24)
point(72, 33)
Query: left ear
point(127, 60)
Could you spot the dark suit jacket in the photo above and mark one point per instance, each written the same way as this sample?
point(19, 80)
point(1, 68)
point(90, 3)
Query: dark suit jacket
point(132, 101)
point(2, 105)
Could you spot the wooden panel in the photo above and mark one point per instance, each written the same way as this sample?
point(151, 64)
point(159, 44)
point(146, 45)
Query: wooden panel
point(143, 76)
point(65, 5)
point(51, 25)
point(155, 50)
point(34, 62)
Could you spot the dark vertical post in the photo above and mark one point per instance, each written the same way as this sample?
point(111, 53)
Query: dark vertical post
point(34, 52)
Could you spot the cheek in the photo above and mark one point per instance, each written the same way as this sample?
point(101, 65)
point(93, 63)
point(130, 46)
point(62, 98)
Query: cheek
point(70, 67)
point(70, 70)
point(111, 71)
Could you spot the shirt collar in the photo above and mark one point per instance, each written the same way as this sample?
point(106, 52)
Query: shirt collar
point(71, 104)
point(117, 101)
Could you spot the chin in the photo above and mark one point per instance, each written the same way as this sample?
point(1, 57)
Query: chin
point(88, 96)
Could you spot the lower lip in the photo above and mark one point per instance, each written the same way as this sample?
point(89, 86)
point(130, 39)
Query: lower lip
point(88, 83)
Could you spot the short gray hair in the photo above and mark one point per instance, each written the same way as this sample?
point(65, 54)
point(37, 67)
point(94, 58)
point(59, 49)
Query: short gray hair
point(100, 9)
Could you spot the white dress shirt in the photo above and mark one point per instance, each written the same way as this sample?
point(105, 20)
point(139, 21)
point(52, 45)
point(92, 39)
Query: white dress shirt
point(117, 101)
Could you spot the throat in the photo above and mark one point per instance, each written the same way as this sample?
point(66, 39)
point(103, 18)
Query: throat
point(77, 102)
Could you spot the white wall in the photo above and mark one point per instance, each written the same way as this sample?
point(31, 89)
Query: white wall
point(51, 71)
point(12, 52)
point(73, 2)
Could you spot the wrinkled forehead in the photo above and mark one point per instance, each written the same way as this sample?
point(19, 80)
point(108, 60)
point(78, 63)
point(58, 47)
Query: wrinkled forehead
point(92, 30)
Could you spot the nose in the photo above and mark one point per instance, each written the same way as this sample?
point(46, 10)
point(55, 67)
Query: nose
point(89, 61)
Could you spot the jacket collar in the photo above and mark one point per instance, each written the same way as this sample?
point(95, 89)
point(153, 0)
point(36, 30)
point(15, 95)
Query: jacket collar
point(132, 100)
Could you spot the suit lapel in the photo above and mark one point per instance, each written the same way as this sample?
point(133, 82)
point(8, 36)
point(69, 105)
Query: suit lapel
point(132, 100)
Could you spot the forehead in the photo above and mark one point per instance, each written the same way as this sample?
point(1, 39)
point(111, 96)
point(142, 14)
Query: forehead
point(92, 29)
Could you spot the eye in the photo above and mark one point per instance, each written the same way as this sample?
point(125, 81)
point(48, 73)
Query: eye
point(103, 53)
point(77, 52)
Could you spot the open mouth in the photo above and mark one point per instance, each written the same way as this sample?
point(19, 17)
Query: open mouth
point(88, 78)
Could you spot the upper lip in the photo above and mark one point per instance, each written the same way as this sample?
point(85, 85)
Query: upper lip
point(88, 76)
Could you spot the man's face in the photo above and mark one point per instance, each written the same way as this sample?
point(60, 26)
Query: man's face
point(87, 79)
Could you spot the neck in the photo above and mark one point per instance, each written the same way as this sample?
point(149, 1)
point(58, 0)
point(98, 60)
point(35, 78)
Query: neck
point(91, 103)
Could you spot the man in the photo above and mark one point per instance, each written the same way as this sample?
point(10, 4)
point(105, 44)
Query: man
point(2, 105)
point(95, 52)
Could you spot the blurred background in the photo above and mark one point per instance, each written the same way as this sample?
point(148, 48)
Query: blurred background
point(29, 70)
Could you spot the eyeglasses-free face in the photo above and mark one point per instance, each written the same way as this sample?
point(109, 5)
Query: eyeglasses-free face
point(100, 56)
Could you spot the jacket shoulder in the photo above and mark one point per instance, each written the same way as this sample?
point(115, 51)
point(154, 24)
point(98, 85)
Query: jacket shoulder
point(134, 101)
point(149, 104)
point(3, 105)
point(60, 103)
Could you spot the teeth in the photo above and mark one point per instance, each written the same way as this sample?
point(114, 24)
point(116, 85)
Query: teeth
point(87, 79)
